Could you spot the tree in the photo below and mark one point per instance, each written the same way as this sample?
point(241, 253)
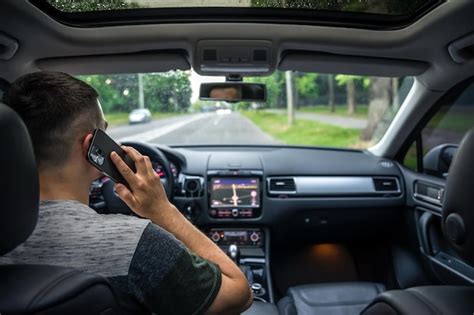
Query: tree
point(332, 96)
point(91, 5)
point(290, 97)
point(167, 92)
point(380, 99)
point(349, 82)
point(170, 91)
point(306, 85)
point(395, 7)
point(275, 88)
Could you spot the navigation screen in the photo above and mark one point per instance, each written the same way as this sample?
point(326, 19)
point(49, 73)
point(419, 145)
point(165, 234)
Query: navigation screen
point(235, 192)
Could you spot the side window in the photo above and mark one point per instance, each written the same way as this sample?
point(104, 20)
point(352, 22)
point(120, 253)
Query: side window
point(443, 132)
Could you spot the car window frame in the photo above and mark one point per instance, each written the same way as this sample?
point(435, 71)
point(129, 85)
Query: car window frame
point(415, 136)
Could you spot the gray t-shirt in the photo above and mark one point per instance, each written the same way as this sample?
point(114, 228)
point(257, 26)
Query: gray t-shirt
point(143, 262)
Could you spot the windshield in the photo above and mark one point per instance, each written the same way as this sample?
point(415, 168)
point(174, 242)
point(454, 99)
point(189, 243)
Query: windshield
point(308, 109)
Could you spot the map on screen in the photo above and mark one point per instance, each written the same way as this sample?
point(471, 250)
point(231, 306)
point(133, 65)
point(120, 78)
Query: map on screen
point(235, 192)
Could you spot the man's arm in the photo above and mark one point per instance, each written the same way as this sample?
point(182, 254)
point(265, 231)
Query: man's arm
point(147, 198)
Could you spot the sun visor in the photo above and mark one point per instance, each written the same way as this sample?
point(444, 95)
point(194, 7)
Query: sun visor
point(119, 63)
point(345, 64)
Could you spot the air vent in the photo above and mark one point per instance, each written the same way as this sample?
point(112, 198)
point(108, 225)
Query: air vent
point(282, 185)
point(386, 184)
point(191, 186)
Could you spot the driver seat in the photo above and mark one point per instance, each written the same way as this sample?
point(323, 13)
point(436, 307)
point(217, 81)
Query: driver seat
point(36, 289)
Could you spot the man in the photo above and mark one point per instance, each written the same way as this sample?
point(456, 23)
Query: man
point(163, 262)
point(226, 93)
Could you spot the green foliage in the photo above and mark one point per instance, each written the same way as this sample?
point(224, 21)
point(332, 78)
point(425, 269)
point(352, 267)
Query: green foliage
point(362, 110)
point(342, 79)
point(304, 132)
point(394, 7)
point(164, 92)
point(307, 86)
point(276, 92)
point(91, 5)
point(167, 92)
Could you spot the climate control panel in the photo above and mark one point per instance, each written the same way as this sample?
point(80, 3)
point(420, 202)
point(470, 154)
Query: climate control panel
point(240, 237)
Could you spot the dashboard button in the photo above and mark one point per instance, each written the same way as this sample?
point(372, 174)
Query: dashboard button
point(215, 237)
point(254, 237)
point(235, 213)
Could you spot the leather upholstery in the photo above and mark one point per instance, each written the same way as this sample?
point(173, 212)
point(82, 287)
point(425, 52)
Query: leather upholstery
point(424, 301)
point(458, 214)
point(329, 298)
point(31, 289)
point(19, 193)
point(261, 308)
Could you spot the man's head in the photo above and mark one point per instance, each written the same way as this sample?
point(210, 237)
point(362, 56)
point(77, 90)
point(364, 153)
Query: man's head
point(226, 93)
point(60, 112)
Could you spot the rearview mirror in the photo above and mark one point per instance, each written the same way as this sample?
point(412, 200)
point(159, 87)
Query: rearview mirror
point(233, 92)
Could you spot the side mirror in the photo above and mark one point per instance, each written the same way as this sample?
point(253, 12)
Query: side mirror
point(438, 160)
point(233, 92)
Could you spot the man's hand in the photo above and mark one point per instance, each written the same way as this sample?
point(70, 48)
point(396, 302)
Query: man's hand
point(147, 196)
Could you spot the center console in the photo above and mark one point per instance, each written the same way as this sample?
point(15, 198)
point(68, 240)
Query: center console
point(248, 247)
point(235, 196)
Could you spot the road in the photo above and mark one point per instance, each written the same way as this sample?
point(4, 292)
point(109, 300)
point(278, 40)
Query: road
point(195, 129)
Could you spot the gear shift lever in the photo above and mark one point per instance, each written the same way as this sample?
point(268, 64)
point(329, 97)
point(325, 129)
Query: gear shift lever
point(234, 253)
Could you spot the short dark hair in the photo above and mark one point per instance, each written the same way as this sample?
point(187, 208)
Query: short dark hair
point(56, 108)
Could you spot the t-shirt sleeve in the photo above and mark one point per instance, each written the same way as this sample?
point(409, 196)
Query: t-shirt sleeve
point(168, 278)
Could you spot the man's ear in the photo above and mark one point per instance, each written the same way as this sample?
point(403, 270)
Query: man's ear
point(86, 143)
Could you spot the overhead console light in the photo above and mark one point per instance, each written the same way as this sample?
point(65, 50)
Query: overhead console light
point(242, 57)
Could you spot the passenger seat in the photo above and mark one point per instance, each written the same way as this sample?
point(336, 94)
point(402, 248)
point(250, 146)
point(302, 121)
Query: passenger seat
point(344, 298)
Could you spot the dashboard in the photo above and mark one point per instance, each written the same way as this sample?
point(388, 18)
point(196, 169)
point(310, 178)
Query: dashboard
point(298, 192)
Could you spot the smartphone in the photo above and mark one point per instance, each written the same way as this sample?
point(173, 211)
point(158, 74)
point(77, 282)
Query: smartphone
point(99, 155)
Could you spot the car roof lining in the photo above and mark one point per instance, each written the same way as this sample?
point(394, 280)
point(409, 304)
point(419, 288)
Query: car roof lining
point(46, 43)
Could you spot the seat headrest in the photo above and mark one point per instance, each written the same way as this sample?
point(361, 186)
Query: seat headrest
point(458, 204)
point(19, 185)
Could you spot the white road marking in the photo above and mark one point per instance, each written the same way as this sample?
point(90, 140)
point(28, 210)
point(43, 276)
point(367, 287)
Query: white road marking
point(158, 132)
point(218, 120)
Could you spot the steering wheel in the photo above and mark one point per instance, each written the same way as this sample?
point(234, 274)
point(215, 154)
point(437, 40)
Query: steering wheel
point(113, 201)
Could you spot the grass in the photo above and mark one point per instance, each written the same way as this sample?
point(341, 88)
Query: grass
point(116, 119)
point(304, 132)
point(362, 111)
point(453, 119)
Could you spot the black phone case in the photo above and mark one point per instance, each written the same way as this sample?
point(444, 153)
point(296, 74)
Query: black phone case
point(99, 155)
